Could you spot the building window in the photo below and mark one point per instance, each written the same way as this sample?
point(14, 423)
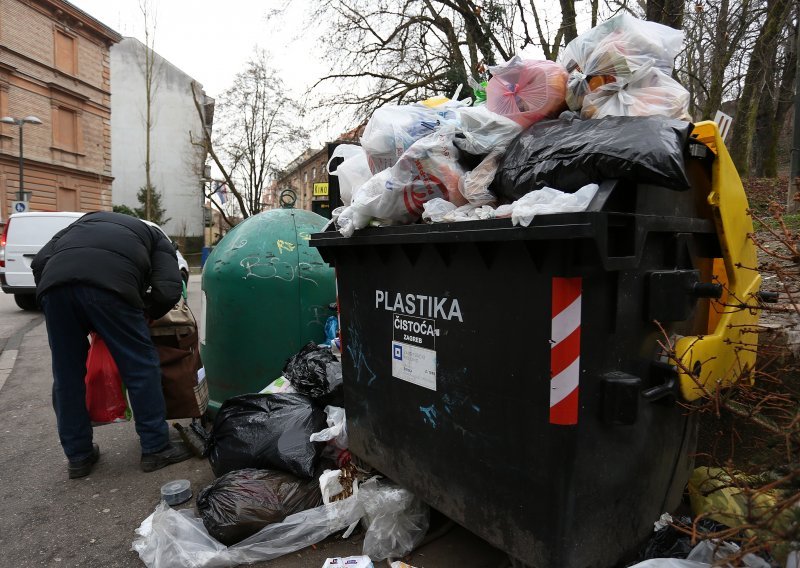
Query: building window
point(314, 174)
point(66, 53)
point(67, 199)
point(65, 129)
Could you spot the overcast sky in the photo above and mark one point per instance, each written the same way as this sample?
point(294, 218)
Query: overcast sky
point(211, 40)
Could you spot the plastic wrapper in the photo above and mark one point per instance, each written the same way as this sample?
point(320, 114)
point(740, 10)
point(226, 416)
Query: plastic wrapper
point(307, 370)
point(242, 502)
point(396, 519)
point(393, 129)
point(568, 154)
point(105, 397)
point(614, 51)
point(336, 432)
point(266, 431)
point(349, 562)
point(548, 200)
point(527, 91)
point(481, 131)
point(278, 386)
point(178, 539)
point(428, 169)
point(352, 172)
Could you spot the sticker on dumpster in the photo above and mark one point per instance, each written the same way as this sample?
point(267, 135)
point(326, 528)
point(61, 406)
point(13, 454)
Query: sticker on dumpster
point(414, 350)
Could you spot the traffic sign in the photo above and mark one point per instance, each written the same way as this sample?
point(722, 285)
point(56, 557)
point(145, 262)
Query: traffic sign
point(19, 206)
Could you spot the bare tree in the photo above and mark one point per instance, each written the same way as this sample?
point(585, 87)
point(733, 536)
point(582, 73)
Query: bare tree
point(747, 108)
point(150, 70)
point(258, 130)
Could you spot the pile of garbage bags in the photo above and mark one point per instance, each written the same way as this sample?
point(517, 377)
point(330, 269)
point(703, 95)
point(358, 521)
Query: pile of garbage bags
point(284, 481)
point(562, 125)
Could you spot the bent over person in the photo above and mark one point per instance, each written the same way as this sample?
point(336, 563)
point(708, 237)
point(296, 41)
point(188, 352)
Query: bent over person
point(108, 273)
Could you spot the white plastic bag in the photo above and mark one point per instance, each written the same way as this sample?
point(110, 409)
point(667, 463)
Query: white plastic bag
point(392, 130)
point(481, 130)
point(396, 519)
point(614, 50)
point(428, 169)
point(178, 539)
point(649, 91)
point(548, 200)
point(434, 211)
point(352, 172)
point(336, 432)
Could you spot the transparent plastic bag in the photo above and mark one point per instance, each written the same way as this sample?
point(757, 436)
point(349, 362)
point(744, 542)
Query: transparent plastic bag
point(481, 131)
point(336, 432)
point(352, 172)
point(393, 129)
point(178, 539)
point(396, 519)
point(435, 210)
point(616, 49)
point(649, 91)
point(474, 185)
point(527, 90)
point(428, 169)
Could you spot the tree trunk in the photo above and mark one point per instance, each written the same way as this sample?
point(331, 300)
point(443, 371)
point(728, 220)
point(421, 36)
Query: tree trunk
point(784, 103)
point(719, 62)
point(568, 23)
point(765, 128)
point(667, 12)
point(747, 107)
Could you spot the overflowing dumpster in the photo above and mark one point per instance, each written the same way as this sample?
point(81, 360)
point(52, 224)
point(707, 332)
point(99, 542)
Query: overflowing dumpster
point(265, 295)
point(529, 382)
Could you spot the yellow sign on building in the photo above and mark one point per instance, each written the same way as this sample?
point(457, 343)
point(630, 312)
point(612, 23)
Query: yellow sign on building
point(321, 189)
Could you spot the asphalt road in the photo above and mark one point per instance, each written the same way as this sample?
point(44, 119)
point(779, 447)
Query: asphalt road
point(49, 520)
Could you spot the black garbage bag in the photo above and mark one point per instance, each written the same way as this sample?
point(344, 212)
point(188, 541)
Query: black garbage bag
point(567, 154)
point(242, 502)
point(313, 370)
point(266, 431)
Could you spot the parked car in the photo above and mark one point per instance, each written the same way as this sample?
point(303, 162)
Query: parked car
point(22, 237)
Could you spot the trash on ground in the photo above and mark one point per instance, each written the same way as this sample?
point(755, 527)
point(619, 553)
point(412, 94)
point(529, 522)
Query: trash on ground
point(242, 502)
point(266, 431)
point(527, 90)
point(178, 539)
point(349, 562)
point(278, 386)
point(314, 371)
point(396, 519)
point(336, 432)
point(176, 492)
point(569, 154)
point(339, 484)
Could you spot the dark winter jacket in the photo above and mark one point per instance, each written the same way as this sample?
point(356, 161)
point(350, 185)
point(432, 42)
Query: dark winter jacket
point(115, 252)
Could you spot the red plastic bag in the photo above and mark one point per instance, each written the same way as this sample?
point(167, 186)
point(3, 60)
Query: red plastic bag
point(105, 397)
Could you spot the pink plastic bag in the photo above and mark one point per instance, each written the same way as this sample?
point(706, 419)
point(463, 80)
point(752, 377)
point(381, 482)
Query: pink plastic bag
point(527, 91)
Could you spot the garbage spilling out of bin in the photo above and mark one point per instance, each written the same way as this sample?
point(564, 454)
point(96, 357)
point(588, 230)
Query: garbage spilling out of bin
point(474, 155)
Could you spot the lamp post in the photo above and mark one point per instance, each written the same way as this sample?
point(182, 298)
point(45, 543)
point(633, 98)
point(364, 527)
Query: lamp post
point(20, 122)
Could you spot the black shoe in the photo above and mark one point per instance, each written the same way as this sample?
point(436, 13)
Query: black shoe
point(173, 452)
point(82, 468)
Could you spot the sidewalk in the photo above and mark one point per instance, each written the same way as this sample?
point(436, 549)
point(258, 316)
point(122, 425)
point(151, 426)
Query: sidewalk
point(49, 520)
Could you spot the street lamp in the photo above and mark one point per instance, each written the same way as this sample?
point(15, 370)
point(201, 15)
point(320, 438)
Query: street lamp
point(19, 122)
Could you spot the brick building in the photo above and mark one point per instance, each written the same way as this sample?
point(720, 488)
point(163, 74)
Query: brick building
point(55, 65)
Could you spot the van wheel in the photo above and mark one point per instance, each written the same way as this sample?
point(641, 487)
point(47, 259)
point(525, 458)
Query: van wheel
point(26, 301)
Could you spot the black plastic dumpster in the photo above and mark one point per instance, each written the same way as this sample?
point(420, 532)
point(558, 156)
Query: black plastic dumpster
point(513, 378)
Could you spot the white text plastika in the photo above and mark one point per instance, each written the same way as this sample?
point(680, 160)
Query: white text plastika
point(419, 305)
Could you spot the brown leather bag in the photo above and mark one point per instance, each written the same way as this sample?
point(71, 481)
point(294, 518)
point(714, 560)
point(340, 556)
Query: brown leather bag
point(175, 337)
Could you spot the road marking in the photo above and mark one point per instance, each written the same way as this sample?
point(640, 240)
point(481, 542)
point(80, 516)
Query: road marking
point(9, 351)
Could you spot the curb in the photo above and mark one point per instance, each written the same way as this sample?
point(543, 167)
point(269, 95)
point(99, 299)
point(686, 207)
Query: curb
point(10, 350)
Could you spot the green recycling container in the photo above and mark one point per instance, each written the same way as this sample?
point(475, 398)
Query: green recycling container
point(265, 295)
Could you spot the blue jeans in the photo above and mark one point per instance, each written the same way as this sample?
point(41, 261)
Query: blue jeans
point(71, 312)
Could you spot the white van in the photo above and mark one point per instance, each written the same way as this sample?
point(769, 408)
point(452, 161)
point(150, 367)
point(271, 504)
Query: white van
point(24, 235)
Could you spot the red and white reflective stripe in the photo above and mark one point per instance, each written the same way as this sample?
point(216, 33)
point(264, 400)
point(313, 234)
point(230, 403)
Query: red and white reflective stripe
point(565, 351)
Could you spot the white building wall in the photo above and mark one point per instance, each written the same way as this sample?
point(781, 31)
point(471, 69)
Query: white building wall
point(176, 165)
